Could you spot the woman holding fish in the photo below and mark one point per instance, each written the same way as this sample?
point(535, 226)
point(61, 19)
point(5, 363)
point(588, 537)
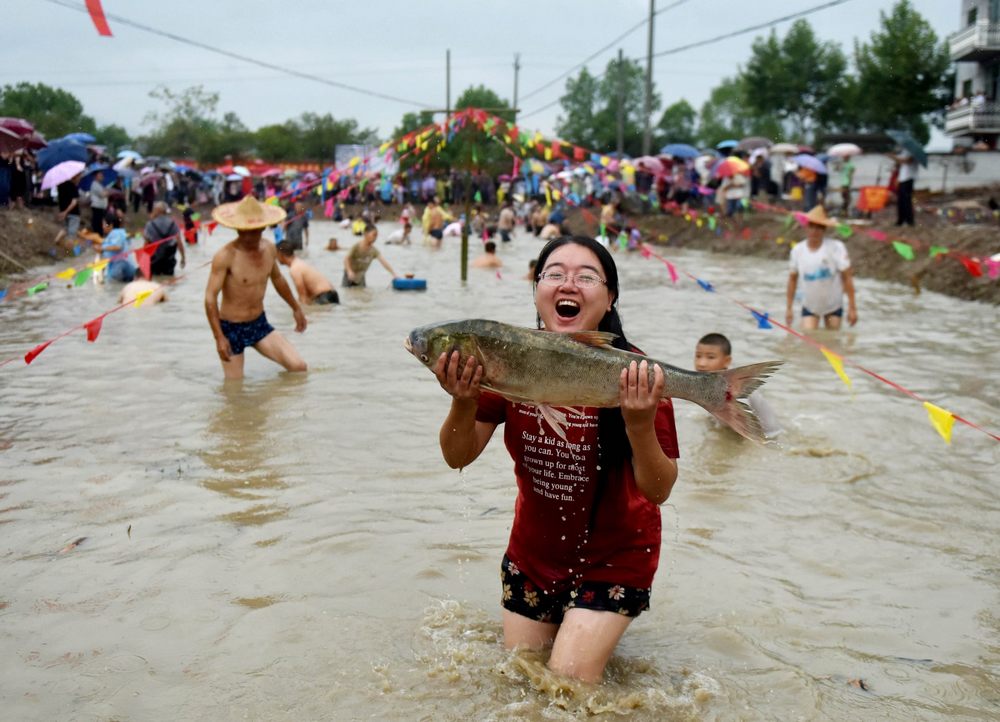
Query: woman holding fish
point(585, 542)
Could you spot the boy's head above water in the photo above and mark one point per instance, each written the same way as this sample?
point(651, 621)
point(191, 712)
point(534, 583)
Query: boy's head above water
point(713, 353)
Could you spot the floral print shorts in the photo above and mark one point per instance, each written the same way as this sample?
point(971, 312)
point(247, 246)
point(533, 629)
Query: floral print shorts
point(522, 596)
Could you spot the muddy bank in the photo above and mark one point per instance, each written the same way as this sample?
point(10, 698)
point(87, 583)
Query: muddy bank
point(769, 235)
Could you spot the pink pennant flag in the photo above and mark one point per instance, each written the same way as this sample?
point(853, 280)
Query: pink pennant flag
point(499, 277)
point(878, 235)
point(993, 268)
point(672, 270)
point(644, 250)
point(328, 208)
point(94, 328)
point(33, 353)
point(142, 258)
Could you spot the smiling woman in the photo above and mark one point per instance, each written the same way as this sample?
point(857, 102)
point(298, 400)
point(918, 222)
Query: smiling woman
point(585, 541)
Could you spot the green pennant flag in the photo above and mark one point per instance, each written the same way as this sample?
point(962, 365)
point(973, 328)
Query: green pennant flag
point(478, 198)
point(475, 156)
point(903, 249)
point(81, 277)
point(603, 232)
point(38, 287)
point(789, 220)
point(844, 230)
point(937, 250)
point(711, 222)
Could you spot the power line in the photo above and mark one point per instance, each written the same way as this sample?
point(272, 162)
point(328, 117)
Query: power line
point(744, 31)
point(244, 58)
point(709, 41)
point(594, 55)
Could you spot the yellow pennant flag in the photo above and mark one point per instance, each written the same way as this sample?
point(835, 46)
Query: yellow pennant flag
point(837, 364)
point(779, 240)
point(604, 161)
point(538, 137)
point(698, 223)
point(140, 297)
point(384, 147)
point(506, 139)
point(548, 154)
point(99, 266)
point(67, 274)
point(941, 419)
point(556, 194)
point(354, 161)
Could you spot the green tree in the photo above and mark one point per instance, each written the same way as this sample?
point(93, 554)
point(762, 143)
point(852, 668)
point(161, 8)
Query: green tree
point(321, 134)
point(282, 141)
point(53, 111)
point(592, 105)
point(184, 124)
point(678, 124)
point(726, 115)
point(579, 105)
point(903, 73)
point(114, 137)
point(800, 81)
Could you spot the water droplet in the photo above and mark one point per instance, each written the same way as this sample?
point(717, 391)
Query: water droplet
point(563, 537)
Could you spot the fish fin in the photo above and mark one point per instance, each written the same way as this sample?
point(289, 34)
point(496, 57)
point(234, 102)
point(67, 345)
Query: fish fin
point(555, 418)
point(740, 383)
point(600, 339)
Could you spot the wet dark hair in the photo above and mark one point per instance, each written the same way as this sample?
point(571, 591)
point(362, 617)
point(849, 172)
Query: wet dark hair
point(490, 247)
point(613, 447)
point(369, 227)
point(285, 249)
point(717, 339)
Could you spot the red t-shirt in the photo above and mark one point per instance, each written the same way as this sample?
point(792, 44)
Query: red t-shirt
point(552, 541)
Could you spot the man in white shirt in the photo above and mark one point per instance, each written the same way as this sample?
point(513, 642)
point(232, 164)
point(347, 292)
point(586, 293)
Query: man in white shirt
point(826, 274)
point(98, 203)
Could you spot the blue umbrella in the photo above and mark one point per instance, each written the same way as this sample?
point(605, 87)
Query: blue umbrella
point(110, 176)
point(804, 160)
point(129, 154)
point(59, 151)
point(911, 144)
point(83, 138)
point(727, 144)
point(680, 150)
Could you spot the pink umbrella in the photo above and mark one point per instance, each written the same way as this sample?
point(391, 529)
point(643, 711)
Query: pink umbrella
point(844, 150)
point(61, 173)
point(271, 173)
point(150, 178)
point(649, 164)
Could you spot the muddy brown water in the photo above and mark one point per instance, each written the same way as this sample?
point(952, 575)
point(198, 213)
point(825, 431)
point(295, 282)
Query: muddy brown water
point(293, 546)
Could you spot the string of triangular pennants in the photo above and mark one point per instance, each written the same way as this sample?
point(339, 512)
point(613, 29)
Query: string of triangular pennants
point(941, 419)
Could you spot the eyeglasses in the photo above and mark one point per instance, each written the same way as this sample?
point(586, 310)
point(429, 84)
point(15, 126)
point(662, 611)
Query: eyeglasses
point(581, 280)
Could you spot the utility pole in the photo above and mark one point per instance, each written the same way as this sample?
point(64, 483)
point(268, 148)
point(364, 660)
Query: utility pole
point(447, 86)
point(517, 69)
point(621, 103)
point(646, 135)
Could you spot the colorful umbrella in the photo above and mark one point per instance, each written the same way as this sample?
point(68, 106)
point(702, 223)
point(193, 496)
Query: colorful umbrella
point(649, 164)
point(811, 162)
point(753, 143)
point(910, 143)
point(728, 167)
point(784, 149)
point(18, 125)
point(150, 178)
point(59, 151)
point(10, 141)
point(110, 176)
point(680, 150)
point(129, 154)
point(62, 172)
point(844, 150)
point(82, 138)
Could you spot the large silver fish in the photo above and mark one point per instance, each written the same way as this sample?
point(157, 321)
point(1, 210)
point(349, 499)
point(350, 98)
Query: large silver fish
point(568, 370)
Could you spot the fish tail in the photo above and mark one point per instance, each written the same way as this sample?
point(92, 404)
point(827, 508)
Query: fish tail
point(740, 383)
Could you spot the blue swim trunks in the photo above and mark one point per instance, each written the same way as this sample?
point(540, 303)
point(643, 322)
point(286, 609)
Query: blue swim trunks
point(248, 333)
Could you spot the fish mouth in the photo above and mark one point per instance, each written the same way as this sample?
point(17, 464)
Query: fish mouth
point(566, 308)
point(407, 345)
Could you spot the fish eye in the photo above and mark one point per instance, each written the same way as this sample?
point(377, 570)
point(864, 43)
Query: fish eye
point(423, 357)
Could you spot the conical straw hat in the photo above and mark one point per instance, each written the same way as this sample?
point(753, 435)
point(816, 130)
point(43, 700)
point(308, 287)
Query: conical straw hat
point(248, 214)
point(817, 216)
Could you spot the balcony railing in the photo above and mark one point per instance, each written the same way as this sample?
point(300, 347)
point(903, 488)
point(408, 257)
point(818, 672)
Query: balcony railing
point(972, 120)
point(979, 41)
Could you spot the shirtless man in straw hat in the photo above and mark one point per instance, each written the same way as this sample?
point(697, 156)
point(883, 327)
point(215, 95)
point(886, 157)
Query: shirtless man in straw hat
point(826, 274)
point(240, 271)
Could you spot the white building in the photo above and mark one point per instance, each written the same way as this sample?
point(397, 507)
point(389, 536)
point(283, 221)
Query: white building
point(975, 50)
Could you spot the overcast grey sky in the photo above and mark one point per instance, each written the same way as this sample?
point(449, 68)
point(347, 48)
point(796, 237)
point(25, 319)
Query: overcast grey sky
point(392, 48)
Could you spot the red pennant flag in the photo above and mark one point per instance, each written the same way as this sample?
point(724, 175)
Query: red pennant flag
point(142, 258)
point(972, 266)
point(746, 233)
point(30, 356)
point(578, 153)
point(97, 15)
point(93, 328)
point(211, 227)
